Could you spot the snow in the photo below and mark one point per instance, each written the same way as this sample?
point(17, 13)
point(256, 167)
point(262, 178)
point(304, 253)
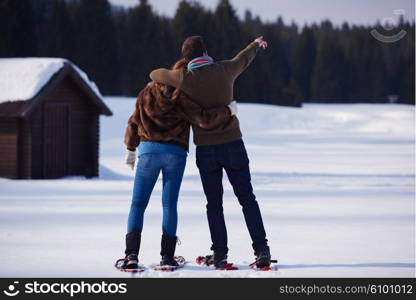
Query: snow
point(335, 184)
point(23, 78)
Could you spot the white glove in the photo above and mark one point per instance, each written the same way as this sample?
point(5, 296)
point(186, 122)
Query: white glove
point(233, 108)
point(130, 158)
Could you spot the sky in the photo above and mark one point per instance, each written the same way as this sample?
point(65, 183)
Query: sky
point(303, 11)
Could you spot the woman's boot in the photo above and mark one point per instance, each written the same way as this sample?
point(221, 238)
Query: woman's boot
point(168, 251)
point(131, 261)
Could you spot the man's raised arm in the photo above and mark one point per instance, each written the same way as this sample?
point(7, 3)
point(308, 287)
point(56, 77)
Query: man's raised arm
point(241, 61)
point(167, 77)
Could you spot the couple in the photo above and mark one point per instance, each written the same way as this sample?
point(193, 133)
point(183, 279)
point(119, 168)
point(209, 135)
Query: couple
point(197, 91)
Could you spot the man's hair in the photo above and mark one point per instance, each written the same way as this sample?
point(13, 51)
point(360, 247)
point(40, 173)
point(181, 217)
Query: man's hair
point(193, 47)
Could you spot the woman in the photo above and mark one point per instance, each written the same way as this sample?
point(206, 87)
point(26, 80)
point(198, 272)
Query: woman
point(160, 127)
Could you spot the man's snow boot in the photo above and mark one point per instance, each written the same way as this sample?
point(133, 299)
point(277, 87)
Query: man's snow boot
point(168, 245)
point(218, 259)
point(263, 257)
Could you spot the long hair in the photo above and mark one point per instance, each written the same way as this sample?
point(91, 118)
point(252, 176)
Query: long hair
point(180, 64)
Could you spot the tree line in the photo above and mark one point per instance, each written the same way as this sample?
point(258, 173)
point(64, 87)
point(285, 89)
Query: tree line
point(118, 47)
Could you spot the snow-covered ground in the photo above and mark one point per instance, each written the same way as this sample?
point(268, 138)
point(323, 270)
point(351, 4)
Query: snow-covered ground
point(335, 184)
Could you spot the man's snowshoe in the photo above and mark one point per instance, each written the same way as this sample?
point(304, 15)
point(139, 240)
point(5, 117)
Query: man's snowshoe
point(263, 260)
point(265, 268)
point(217, 261)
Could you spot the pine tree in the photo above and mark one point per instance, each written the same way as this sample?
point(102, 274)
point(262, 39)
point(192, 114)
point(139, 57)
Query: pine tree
point(190, 19)
point(329, 79)
point(303, 65)
point(226, 34)
point(95, 43)
point(57, 39)
point(140, 43)
point(17, 28)
point(406, 66)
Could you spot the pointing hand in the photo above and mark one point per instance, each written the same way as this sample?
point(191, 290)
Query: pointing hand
point(262, 44)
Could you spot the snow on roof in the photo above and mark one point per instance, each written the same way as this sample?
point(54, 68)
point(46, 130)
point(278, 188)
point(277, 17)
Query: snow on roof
point(23, 78)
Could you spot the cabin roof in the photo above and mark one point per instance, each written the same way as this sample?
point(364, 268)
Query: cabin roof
point(24, 81)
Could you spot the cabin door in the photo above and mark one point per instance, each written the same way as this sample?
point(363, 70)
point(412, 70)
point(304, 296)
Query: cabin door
point(55, 140)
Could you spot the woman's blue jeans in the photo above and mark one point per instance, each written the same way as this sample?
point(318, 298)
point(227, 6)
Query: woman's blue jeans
point(147, 172)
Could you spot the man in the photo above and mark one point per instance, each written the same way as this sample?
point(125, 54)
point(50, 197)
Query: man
point(210, 84)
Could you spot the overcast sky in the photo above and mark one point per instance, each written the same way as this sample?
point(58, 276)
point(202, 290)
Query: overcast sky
point(301, 11)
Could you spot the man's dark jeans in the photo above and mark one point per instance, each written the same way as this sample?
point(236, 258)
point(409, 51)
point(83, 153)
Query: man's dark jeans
point(232, 157)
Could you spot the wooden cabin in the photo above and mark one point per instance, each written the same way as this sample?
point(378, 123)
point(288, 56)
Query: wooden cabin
point(49, 119)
